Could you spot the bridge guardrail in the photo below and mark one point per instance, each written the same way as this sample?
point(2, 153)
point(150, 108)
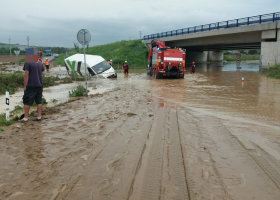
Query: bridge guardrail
point(247, 21)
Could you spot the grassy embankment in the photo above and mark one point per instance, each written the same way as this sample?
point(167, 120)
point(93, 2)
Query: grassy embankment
point(12, 82)
point(247, 57)
point(273, 71)
point(134, 50)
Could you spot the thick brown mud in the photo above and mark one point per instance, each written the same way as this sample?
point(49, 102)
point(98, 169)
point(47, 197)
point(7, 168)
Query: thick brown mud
point(207, 136)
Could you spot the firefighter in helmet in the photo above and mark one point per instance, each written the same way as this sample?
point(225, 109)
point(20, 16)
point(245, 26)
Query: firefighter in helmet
point(193, 68)
point(125, 67)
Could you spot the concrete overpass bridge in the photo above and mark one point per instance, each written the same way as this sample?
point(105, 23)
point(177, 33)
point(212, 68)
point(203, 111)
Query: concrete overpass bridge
point(205, 42)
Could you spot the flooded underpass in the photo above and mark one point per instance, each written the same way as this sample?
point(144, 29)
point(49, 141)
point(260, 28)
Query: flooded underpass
point(207, 136)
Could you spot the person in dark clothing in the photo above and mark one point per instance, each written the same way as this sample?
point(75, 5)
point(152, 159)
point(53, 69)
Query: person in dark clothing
point(33, 87)
point(125, 68)
point(193, 68)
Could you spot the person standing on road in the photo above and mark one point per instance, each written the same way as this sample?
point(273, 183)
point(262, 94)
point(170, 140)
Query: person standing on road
point(33, 87)
point(125, 68)
point(47, 63)
point(193, 68)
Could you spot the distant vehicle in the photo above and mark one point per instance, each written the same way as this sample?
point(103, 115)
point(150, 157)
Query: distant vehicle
point(56, 55)
point(96, 66)
point(48, 52)
point(40, 56)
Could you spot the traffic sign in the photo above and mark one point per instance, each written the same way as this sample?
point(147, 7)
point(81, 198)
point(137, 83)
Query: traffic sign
point(17, 52)
point(238, 61)
point(83, 37)
point(238, 55)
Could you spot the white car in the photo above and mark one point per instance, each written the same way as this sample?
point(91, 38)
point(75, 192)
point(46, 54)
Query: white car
point(96, 66)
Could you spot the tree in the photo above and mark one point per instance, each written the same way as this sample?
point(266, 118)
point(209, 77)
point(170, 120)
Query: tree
point(252, 52)
point(76, 46)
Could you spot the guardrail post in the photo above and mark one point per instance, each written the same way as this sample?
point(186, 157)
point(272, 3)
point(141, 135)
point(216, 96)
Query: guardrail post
point(273, 17)
point(260, 19)
point(218, 25)
point(194, 29)
point(237, 23)
point(227, 24)
point(176, 32)
point(166, 34)
point(188, 30)
point(182, 32)
point(209, 27)
point(248, 21)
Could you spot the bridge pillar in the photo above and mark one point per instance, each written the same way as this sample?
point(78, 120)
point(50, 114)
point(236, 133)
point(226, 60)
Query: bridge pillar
point(197, 57)
point(270, 47)
point(215, 56)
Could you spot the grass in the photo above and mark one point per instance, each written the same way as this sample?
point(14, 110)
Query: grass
point(13, 81)
point(273, 71)
point(242, 58)
point(60, 59)
point(3, 121)
point(10, 82)
point(78, 91)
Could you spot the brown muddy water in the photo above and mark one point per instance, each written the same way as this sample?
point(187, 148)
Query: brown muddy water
point(207, 136)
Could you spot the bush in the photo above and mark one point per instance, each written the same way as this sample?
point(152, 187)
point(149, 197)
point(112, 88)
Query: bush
point(273, 71)
point(78, 91)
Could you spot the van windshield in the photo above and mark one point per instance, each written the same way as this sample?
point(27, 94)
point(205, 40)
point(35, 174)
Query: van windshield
point(101, 67)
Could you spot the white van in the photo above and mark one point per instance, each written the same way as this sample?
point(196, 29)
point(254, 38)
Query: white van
point(96, 65)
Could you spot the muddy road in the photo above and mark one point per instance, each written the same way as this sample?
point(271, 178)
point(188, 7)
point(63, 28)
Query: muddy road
point(208, 136)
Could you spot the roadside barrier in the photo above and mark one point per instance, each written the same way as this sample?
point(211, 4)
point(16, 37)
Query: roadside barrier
point(7, 106)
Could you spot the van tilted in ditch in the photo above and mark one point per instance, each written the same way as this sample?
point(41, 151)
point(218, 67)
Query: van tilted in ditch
point(96, 66)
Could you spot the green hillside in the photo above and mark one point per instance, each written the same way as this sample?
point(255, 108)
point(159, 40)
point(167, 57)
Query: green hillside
point(134, 50)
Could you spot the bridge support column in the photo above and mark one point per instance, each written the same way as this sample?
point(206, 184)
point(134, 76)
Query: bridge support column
point(215, 56)
point(270, 48)
point(197, 57)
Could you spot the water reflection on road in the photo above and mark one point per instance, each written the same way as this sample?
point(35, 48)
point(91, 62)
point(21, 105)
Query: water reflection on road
point(218, 86)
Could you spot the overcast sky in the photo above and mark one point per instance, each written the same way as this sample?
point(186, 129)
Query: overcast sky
point(56, 22)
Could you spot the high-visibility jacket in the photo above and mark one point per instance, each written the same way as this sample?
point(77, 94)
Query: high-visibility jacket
point(47, 62)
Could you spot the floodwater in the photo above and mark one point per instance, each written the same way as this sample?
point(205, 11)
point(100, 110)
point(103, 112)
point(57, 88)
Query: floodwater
point(207, 136)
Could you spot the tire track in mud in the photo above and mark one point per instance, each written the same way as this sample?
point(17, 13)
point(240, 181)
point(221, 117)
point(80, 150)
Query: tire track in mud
point(265, 161)
point(138, 164)
point(122, 160)
point(267, 168)
point(199, 163)
point(164, 174)
point(152, 181)
point(177, 165)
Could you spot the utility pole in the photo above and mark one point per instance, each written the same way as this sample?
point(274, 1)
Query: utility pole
point(140, 35)
point(27, 41)
point(10, 46)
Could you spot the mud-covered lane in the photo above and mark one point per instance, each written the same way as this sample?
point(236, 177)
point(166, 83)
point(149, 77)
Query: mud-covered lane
point(207, 136)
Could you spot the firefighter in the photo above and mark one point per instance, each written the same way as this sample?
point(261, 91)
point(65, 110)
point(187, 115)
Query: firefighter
point(193, 68)
point(47, 63)
point(125, 67)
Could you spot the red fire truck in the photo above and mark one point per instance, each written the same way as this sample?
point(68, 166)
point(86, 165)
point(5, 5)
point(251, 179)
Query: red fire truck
point(164, 61)
point(40, 56)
